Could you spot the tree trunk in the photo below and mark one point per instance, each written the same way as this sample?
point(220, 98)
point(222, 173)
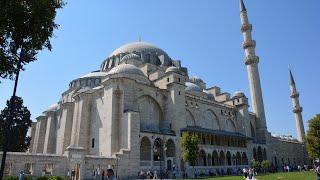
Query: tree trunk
point(4, 155)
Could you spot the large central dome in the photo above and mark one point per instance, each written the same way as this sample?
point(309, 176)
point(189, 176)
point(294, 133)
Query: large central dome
point(138, 53)
point(138, 47)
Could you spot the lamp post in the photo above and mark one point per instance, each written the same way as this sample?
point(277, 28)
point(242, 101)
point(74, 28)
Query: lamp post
point(117, 166)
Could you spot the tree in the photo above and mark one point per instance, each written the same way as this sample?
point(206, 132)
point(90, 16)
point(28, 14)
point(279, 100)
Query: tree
point(265, 165)
point(313, 137)
point(189, 147)
point(15, 128)
point(255, 164)
point(26, 27)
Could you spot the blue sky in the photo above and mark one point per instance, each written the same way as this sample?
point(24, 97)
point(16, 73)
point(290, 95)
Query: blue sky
point(203, 34)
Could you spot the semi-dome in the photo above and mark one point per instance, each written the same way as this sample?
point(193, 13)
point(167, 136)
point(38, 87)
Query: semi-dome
point(53, 107)
point(126, 69)
point(130, 56)
point(94, 74)
point(138, 47)
point(191, 87)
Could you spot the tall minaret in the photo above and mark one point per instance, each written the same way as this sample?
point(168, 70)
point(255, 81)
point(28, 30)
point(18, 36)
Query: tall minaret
point(251, 61)
point(297, 109)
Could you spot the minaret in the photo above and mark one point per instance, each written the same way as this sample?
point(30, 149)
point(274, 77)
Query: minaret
point(251, 61)
point(297, 109)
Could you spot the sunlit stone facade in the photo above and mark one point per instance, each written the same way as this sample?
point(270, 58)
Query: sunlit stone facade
point(129, 115)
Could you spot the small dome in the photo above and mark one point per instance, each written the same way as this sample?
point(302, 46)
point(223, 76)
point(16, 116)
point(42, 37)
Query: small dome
point(239, 94)
point(53, 107)
point(172, 69)
point(192, 87)
point(131, 56)
point(126, 69)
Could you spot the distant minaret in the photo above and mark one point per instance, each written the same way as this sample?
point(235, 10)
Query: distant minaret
point(297, 109)
point(251, 61)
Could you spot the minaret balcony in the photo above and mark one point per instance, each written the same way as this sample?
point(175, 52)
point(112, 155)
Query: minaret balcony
point(251, 60)
point(294, 95)
point(248, 44)
point(246, 27)
point(297, 110)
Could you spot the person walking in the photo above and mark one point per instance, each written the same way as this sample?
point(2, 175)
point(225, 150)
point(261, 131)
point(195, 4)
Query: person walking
point(250, 173)
point(102, 175)
point(245, 172)
point(21, 175)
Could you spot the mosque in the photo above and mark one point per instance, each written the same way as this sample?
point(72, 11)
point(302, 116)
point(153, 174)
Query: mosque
point(130, 114)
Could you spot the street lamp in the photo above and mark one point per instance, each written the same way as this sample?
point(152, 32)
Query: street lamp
point(117, 166)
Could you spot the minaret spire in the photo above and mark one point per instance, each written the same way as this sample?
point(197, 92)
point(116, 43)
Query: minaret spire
point(242, 6)
point(297, 109)
point(291, 77)
point(252, 61)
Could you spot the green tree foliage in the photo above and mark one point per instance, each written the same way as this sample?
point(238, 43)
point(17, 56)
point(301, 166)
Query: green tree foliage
point(313, 137)
point(14, 123)
point(189, 147)
point(265, 165)
point(26, 27)
point(255, 164)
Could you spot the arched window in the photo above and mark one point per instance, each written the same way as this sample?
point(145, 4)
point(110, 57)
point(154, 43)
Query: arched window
point(253, 133)
point(215, 158)
point(92, 143)
point(145, 149)
point(259, 154)
point(255, 154)
point(244, 159)
point(221, 158)
point(229, 162)
point(171, 149)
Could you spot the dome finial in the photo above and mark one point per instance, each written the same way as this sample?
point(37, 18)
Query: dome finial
point(242, 6)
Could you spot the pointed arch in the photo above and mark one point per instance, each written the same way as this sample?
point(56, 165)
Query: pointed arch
point(150, 113)
point(244, 159)
point(170, 148)
point(255, 154)
point(230, 126)
point(222, 158)
point(145, 149)
point(190, 121)
point(259, 154)
point(252, 131)
point(212, 120)
point(215, 158)
point(229, 161)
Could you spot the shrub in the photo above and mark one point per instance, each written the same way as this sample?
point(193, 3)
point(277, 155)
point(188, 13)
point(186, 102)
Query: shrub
point(11, 178)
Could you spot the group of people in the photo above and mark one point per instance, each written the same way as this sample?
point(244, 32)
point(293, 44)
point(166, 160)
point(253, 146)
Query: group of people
point(97, 174)
point(154, 174)
point(249, 173)
point(108, 175)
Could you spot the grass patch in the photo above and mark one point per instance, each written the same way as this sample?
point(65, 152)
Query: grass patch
point(310, 175)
